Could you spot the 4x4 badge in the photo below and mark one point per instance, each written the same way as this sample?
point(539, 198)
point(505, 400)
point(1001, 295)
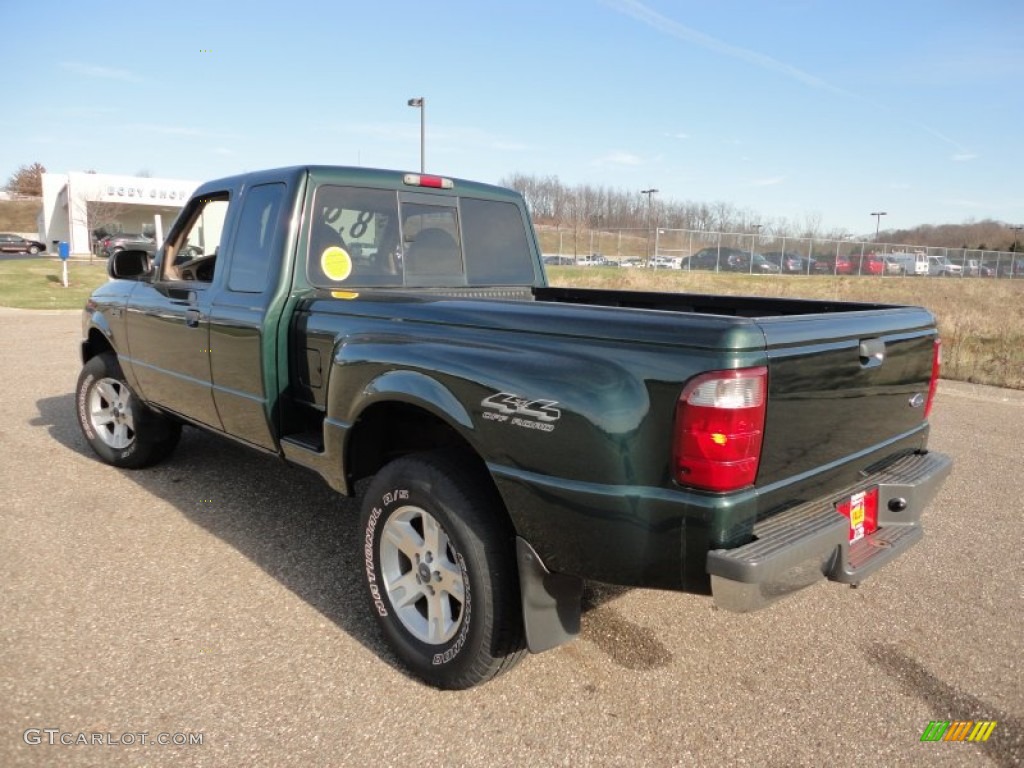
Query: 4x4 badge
point(521, 411)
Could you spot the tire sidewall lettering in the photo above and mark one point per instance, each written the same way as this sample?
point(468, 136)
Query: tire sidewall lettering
point(369, 547)
point(467, 615)
point(83, 417)
point(381, 510)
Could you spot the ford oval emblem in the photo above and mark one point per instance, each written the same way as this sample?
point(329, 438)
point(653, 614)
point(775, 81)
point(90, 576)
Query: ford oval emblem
point(917, 400)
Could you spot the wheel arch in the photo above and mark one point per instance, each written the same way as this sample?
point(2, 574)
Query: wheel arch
point(391, 427)
point(96, 342)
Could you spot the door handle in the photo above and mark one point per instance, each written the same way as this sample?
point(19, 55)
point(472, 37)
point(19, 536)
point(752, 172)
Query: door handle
point(192, 318)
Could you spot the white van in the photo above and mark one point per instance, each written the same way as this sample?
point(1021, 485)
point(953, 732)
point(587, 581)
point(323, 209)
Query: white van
point(915, 263)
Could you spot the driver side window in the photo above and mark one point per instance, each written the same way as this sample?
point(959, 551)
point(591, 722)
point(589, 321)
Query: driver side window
point(192, 255)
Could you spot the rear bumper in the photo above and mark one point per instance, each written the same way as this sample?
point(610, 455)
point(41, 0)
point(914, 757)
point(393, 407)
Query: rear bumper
point(802, 545)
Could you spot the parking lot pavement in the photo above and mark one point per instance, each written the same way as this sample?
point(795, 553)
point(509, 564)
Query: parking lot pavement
point(218, 595)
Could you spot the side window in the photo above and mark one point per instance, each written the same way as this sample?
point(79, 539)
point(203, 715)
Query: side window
point(497, 248)
point(257, 245)
point(192, 254)
point(353, 238)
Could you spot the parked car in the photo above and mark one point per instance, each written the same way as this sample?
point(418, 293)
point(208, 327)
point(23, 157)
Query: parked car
point(666, 262)
point(744, 261)
point(822, 265)
point(717, 258)
point(789, 263)
point(893, 266)
point(1012, 269)
point(941, 266)
point(126, 241)
point(834, 265)
point(559, 260)
point(631, 263)
point(978, 268)
point(708, 258)
point(18, 244)
point(868, 264)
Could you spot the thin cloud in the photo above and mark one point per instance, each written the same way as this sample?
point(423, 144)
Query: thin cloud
point(103, 73)
point(179, 130)
point(510, 146)
point(619, 158)
point(963, 157)
point(665, 25)
point(768, 182)
point(680, 136)
point(652, 18)
point(166, 130)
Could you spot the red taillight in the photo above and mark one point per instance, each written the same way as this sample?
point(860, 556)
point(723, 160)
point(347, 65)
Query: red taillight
point(934, 383)
point(419, 180)
point(719, 428)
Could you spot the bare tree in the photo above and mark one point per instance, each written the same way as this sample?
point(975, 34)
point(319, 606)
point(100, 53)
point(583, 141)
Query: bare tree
point(27, 180)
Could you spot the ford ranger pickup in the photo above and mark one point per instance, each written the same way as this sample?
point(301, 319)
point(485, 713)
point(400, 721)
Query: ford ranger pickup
point(517, 439)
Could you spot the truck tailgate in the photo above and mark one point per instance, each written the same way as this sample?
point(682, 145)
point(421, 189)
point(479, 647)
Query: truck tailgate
point(842, 385)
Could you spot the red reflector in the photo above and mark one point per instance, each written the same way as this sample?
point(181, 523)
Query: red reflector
point(436, 182)
point(934, 383)
point(719, 429)
point(861, 510)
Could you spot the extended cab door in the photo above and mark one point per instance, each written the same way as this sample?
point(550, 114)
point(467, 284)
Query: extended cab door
point(243, 320)
point(168, 326)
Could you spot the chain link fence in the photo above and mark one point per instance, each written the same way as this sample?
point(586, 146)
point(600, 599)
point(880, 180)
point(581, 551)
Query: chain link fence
point(755, 253)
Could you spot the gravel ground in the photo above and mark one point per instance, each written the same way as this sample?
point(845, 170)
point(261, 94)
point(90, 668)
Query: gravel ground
point(218, 594)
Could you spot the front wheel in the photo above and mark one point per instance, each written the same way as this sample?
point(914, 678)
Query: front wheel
point(440, 569)
point(33, 250)
point(119, 427)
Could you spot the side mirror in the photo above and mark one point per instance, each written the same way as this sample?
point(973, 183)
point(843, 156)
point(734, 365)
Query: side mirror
point(129, 265)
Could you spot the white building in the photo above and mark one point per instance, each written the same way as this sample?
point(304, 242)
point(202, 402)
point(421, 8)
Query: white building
point(74, 204)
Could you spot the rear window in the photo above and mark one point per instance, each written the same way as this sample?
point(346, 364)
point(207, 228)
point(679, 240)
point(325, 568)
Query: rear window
point(361, 237)
point(354, 238)
point(496, 241)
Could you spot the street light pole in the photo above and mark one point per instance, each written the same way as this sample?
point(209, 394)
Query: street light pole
point(421, 103)
point(878, 221)
point(650, 193)
point(1015, 231)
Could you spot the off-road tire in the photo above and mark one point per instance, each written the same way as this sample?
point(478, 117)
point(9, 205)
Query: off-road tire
point(440, 569)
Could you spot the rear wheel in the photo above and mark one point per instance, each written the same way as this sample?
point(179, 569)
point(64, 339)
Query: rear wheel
point(119, 427)
point(440, 569)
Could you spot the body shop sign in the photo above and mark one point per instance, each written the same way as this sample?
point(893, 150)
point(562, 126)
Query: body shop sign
point(143, 194)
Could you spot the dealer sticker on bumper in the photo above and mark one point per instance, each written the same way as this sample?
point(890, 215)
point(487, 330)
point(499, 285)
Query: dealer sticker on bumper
point(862, 511)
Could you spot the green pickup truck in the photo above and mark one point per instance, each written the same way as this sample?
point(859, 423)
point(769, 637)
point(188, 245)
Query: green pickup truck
point(520, 438)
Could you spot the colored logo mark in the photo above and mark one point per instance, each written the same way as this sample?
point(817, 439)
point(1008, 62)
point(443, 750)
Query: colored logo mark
point(958, 730)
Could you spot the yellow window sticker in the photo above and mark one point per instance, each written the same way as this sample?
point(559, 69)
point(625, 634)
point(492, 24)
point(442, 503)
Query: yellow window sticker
point(336, 263)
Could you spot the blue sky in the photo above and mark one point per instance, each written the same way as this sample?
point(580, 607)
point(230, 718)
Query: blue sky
point(791, 109)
